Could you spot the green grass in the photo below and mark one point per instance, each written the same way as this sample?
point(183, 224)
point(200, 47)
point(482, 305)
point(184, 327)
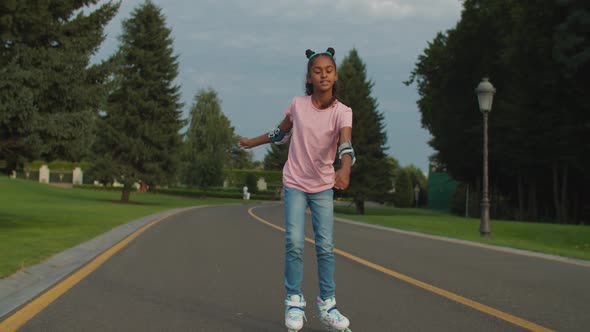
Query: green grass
point(38, 220)
point(564, 240)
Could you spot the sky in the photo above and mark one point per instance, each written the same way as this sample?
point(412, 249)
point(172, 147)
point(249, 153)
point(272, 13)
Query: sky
point(253, 54)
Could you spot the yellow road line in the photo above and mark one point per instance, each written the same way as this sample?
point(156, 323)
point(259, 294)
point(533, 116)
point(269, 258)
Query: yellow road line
point(439, 291)
point(23, 315)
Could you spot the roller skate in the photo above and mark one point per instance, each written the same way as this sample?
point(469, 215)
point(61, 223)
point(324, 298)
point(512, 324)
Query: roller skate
point(294, 313)
point(330, 317)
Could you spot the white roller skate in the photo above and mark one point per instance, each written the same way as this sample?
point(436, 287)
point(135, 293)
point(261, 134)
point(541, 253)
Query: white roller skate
point(294, 312)
point(330, 317)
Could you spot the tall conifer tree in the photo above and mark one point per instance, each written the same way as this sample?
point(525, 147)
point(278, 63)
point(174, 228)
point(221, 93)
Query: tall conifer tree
point(276, 157)
point(49, 92)
point(139, 137)
point(370, 176)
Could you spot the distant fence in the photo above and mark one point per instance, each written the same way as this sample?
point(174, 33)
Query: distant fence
point(63, 174)
point(441, 187)
point(45, 175)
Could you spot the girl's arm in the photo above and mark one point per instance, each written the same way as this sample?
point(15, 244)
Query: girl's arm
point(346, 136)
point(248, 143)
point(342, 179)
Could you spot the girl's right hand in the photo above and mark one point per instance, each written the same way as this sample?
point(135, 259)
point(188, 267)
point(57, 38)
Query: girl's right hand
point(246, 143)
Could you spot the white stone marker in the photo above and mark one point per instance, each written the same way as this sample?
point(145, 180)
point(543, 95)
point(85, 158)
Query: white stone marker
point(44, 174)
point(77, 176)
point(261, 184)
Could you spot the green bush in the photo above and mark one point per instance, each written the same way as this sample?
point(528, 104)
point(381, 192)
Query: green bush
point(404, 193)
point(251, 182)
point(201, 193)
point(235, 193)
point(57, 165)
point(101, 188)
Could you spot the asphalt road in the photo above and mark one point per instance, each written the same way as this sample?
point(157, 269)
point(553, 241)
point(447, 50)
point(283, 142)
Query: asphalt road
point(221, 269)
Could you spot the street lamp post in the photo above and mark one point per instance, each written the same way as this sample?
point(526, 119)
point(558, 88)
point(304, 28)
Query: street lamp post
point(485, 95)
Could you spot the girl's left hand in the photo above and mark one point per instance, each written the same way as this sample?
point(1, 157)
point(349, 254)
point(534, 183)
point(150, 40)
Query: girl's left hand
point(342, 179)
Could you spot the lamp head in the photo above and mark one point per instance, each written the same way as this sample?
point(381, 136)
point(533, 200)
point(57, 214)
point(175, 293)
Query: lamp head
point(485, 95)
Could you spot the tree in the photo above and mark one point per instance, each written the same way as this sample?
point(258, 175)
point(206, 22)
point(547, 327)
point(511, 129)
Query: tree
point(139, 129)
point(418, 179)
point(404, 192)
point(49, 92)
point(370, 176)
point(276, 157)
point(210, 141)
point(539, 117)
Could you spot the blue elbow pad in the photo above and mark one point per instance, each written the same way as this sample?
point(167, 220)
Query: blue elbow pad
point(346, 148)
point(278, 136)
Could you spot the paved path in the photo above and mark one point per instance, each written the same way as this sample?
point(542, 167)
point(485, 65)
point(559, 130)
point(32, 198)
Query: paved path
point(221, 269)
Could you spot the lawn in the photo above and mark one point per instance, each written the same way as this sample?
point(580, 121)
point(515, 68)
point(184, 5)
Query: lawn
point(564, 240)
point(38, 220)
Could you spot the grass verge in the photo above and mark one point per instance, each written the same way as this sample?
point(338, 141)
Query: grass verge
point(564, 240)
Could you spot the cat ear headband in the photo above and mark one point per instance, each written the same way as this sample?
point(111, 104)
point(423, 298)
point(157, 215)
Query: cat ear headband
point(311, 54)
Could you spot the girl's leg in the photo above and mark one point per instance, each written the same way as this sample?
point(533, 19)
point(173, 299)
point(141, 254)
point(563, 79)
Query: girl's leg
point(295, 205)
point(322, 217)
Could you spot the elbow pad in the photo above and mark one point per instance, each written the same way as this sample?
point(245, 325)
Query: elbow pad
point(346, 148)
point(278, 136)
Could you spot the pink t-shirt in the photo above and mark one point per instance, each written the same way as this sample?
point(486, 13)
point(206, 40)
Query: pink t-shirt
point(309, 167)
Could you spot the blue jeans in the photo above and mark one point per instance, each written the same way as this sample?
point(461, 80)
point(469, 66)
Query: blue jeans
point(322, 217)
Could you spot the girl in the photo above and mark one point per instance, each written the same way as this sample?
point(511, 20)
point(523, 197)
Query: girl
point(316, 123)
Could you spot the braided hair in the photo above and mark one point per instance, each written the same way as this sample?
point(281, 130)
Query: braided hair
point(311, 57)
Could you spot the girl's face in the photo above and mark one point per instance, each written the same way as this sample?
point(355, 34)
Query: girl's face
point(322, 74)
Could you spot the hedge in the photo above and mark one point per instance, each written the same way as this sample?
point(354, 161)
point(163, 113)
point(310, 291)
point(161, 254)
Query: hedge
point(195, 192)
point(57, 165)
point(238, 177)
point(203, 193)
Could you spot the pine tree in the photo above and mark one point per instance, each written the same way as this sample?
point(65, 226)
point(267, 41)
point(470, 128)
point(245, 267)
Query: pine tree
point(209, 141)
point(276, 157)
point(49, 92)
point(139, 131)
point(370, 176)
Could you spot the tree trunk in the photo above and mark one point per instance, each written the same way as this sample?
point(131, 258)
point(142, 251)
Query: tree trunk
point(533, 212)
point(467, 201)
point(564, 198)
point(125, 194)
point(556, 202)
point(495, 201)
point(575, 210)
point(360, 206)
point(520, 212)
